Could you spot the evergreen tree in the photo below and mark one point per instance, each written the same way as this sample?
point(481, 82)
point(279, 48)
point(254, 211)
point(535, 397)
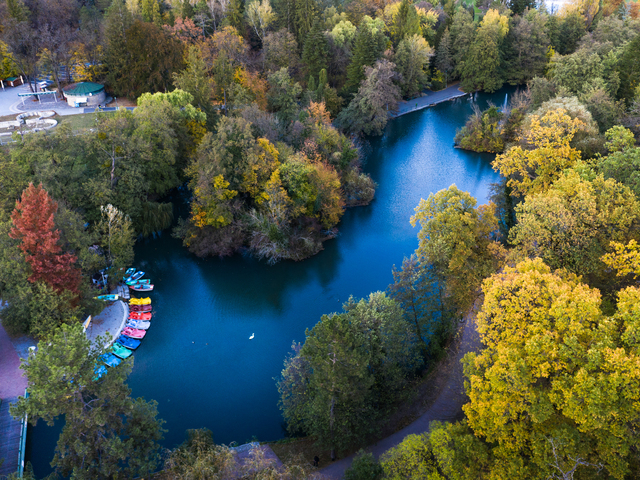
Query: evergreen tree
point(322, 85)
point(236, 14)
point(315, 52)
point(306, 13)
point(629, 68)
point(368, 48)
point(405, 23)
point(444, 58)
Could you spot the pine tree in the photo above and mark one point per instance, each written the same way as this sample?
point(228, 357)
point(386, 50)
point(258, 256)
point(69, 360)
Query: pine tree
point(306, 13)
point(33, 224)
point(236, 15)
point(444, 58)
point(322, 83)
point(405, 23)
point(368, 48)
point(315, 52)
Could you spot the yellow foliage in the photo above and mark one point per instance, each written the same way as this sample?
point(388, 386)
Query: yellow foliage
point(534, 170)
point(493, 17)
point(625, 258)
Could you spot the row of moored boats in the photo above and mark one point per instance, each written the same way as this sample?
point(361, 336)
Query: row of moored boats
point(138, 323)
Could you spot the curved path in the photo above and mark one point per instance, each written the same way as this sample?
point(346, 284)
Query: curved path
point(12, 385)
point(446, 407)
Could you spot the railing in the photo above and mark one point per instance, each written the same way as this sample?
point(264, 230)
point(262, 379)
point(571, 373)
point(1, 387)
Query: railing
point(23, 441)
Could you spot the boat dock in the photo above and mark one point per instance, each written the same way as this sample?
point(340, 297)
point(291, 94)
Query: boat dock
point(123, 291)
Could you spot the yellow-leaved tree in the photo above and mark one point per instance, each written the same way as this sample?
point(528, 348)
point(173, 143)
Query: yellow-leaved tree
point(555, 372)
point(534, 170)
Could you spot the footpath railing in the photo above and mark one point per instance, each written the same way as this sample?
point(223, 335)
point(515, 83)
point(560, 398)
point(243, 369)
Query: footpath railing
point(23, 441)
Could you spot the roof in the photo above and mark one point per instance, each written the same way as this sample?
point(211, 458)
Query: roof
point(84, 88)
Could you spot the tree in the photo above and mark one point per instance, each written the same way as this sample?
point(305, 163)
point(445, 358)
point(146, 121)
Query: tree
point(463, 32)
point(118, 238)
point(107, 434)
point(195, 80)
point(349, 362)
point(377, 96)
point(364, 467)
point(629, 68)
point(405, 23)
point(280, 49)
point(552, 367)
point(444, 58)
point(33, 225)
point(481, 67)
point(368, 48)
point(526, 45)
point(412, 61)
point(283, 95)
point(533, 171)
point(570, 225)
point(260, 16)
point(305, 15)
point(456, 239)
point(315, 51)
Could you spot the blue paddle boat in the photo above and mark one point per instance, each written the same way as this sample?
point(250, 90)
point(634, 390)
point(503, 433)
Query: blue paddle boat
point(130, 343)
point(110, 360)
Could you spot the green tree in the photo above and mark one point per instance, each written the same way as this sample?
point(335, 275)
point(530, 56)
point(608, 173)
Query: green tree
point(525, 48)
point(405, 23)
point(368, 48)
point(457, 240)
point(481, 67)
point(315, 51)
point(364, 467)
point(195, 80)
point(117, 237)
point(284, 95)
point(412, 62)
point(444, 57)
point(305, 14)
point(349, 363)
point(629, 68)
point(369, 110)
point(463, 32)
point(107, 434)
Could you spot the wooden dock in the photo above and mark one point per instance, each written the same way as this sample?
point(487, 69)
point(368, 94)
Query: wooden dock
point(10, 430)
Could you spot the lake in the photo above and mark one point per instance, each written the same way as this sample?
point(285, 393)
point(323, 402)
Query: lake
point(197, 360)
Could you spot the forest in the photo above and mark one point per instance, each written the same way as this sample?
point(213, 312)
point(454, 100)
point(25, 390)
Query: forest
point(257, 111)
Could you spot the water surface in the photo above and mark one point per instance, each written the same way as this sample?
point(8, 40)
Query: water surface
point(197, 360)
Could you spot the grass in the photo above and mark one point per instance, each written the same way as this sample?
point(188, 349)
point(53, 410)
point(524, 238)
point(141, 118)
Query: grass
point(82, 121)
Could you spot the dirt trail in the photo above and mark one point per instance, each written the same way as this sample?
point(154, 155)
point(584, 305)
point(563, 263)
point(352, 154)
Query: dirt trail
point(446, 407)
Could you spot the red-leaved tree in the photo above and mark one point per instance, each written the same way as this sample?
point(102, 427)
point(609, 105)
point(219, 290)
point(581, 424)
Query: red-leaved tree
point(33, 225)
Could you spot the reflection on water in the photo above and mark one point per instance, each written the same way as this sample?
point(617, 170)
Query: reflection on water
point(197, 360)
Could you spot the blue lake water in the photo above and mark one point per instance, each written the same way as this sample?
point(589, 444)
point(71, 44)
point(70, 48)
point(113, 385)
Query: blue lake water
point(197, 360)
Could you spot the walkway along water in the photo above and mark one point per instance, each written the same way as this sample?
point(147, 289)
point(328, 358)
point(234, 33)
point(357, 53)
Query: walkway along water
point(12, 384)
point(429, 99)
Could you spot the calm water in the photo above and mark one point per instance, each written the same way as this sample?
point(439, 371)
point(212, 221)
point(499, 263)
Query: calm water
point(197, 360)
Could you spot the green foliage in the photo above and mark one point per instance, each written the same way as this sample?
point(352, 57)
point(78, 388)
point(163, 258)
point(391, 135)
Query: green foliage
point(284, 95)
point(107, 434)
point(482, 132)
point(369, 110)
point(364, 467)
point(629, 68)
point(412, 63)
point(348, 371)
point(315, 51)
point(369, 46)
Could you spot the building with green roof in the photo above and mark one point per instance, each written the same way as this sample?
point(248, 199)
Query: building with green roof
point(85, 94)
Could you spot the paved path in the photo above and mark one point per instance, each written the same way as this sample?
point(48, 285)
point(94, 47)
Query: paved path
point(430, 98)
point(447, 406)
point(109, 323)
point(12, 384)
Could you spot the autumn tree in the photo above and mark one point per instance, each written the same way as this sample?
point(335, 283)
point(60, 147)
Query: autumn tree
point(107, 434)
point(33, 225)
point(260, 16)
point(570, 225)
point(553, 366)
point(533, 170)
point(457, 240)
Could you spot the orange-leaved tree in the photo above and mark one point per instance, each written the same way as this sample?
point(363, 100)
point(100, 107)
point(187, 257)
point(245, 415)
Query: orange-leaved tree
point(33, 225)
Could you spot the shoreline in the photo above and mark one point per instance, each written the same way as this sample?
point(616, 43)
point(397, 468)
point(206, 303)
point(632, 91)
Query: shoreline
point(429, 100)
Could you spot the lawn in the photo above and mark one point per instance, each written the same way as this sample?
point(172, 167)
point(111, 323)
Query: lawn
point(82, 121)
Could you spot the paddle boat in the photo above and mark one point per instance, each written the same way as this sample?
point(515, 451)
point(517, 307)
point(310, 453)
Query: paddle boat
point(139, 324)
point(140, 308)
point(141, 288)
point(128, 342)
point(140, 315)
point(134, 277)
point(140, 301)
point(128, 273)
point(119, 351)
point(144, 281)
point(107, 298)
point(134, 333)
point(110, 360)
point(99, 371)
